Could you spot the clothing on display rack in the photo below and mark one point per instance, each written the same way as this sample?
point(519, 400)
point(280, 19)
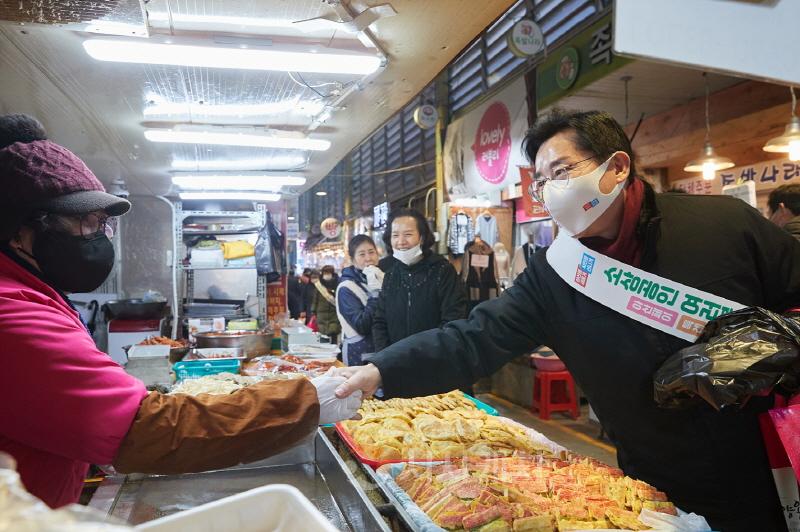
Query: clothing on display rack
point(479, 273)
point(522, 257)
point(502, 261)
point(460, 232)
point(486, 228)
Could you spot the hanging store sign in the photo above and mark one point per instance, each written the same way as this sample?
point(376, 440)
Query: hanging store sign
point(277, 296)
point(765, 175)
point(525, 38)
point(380, 215)
point(492, 146)
point(484, 148)
point(583, 60)
point(531, 208)
point(426, 116)
point(330, 228)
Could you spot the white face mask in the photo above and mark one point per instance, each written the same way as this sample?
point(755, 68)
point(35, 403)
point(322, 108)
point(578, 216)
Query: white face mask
point(409, 257)
point(577, 203)
point(327, 277)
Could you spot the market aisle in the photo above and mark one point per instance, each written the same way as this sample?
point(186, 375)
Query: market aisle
point(578, 435)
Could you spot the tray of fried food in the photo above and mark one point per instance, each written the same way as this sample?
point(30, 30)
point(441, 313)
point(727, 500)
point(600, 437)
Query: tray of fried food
point(440, 429)
point(533, 493)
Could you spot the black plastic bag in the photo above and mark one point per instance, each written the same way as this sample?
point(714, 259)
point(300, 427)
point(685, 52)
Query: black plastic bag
point(270, 254)
point(747, 352)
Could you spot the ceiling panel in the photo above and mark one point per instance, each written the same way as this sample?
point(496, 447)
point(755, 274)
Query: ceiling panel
point(652, 88)
point(98, 108)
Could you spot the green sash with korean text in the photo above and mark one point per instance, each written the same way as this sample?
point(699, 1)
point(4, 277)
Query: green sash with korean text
point(670, 307)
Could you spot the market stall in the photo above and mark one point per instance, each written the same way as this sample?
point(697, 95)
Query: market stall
point(446, 461)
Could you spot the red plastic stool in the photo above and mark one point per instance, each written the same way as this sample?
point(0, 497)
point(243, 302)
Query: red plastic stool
point(565, 399)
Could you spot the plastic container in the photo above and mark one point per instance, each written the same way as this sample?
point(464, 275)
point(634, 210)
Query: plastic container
point(189, 369)
point(216, 353)
point(278, 507)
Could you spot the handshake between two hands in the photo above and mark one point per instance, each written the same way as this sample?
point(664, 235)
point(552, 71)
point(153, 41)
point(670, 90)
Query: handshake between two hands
point(341, 390)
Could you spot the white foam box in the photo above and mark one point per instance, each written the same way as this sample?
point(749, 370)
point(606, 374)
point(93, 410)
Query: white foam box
point(274, 508)
point(207, 258)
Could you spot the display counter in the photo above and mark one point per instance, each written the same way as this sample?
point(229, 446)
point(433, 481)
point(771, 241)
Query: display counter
point(339, 489)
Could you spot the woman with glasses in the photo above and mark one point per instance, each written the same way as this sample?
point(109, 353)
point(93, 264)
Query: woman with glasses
point(63, 403)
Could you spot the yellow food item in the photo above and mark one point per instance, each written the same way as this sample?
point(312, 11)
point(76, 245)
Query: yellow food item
point(435, 427)
point(528, 494)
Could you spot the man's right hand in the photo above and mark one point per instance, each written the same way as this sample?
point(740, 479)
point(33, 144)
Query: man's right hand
point(366, 379)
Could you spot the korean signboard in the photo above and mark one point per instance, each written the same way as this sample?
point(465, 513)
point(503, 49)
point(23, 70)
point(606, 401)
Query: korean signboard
point(330, 228)
point(766, 176)
point(276, 298)
point(585, 59)
point(484, 148)
point(380, 215)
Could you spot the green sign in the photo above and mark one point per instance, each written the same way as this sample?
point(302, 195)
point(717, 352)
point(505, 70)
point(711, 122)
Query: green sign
point(567, 68)
point(583, 60)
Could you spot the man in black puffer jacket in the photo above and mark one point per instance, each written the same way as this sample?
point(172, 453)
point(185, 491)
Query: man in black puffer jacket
point(709, 462)
point(421, 290)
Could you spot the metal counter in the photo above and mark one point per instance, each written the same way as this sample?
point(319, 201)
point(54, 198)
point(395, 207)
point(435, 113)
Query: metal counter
point(314, 467)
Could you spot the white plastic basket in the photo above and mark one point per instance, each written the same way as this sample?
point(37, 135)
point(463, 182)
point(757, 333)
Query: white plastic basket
point(274, 508)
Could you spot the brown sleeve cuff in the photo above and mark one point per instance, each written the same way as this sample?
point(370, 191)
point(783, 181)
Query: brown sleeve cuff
point(175, 434)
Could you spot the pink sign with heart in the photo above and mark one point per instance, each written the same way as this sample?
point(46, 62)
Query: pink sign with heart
point(492, 145)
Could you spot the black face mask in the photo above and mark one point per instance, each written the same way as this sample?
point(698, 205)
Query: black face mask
point(74, 263)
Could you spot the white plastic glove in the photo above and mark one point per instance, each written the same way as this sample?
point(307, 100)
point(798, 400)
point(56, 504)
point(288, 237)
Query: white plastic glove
point(332, 409)
point(374, 278)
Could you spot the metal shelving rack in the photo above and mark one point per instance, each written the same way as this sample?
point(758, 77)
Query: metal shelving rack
point(256, 218)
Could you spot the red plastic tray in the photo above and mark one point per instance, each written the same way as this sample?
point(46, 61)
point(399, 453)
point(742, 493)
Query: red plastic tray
point(347, 438)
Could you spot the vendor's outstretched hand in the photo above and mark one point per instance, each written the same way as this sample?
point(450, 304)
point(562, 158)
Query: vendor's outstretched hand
point(331, 408)
point(360, 379)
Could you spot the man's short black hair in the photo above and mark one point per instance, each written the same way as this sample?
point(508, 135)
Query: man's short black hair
point(595, 132)
point(426, 238)
point(356, 241)
point(20, 128)
point(789, 195)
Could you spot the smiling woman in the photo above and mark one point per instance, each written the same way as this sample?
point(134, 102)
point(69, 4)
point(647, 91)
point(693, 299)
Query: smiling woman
point(421, 290)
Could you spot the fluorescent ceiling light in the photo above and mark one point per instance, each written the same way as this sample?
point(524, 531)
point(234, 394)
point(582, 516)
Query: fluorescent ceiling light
point(236, 139)
point(152, 53)
point(294, 106)
point(243, 196)
point(206, 20)
point(237, 182)
point(277, 162)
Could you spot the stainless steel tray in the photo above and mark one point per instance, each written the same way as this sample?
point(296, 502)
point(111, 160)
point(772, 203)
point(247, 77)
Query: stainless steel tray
point(313, 467)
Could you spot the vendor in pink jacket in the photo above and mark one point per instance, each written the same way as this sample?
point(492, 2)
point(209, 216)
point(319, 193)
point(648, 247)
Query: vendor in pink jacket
point(63, 403)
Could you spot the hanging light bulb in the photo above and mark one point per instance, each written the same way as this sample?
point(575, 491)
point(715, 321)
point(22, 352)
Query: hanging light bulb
point(789, 142)
point(709, 171)
point(794, 150)
point(709, 163)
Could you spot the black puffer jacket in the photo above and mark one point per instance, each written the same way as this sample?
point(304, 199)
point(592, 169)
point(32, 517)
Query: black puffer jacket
point(416, 298)
point(708, 462)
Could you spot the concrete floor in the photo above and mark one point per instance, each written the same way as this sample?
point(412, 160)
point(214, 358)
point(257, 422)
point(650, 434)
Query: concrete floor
point(578, 435)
